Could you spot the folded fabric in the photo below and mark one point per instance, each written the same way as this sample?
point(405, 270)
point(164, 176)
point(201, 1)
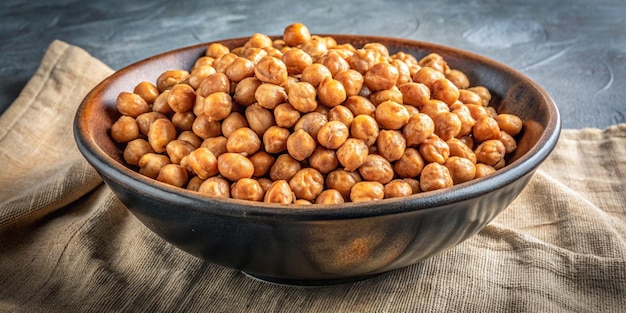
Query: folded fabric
point(68, 245)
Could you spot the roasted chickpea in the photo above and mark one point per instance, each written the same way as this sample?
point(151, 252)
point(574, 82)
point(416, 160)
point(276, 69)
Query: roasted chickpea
point(296, 60)
point(477, 111)
point(467, 121)
point(307, 183)
point(269, 95)
point(150, 164)
point(161, 132)
point(217, 82)
point(202, 62)
point(239, 69)
point(215, 187)
point(160, 104)
point(443, 89)
point(381, 76)
point(216, 50)
point(447, 125)
point(217, 106)
point(490, 152)
point(125, 129)
point(461, 169)
point(147, 91)
point(177, 149)
point(414, 183)
point(232, 122)
point(404, 73)
point(419, 127)
point(253, 54)
point(135, 149)
point(217, 145)
point(365, 127)
point(435, 61)
point(303, 97)
point(295, 34)
point(271, 70)
point(365, 191)
point(194, 183)
point(333, 134)
point(181, 98)
point(222, 63)
point(329, 196)
point(145, 120)
point(331, 92)
point(392, 94)
point(435, 176)
point(183, 121)
point(391, 115)
point(173, 174)
point(203, 162)
point(486, 128)
point(234, 166)
point(314, 47)
point(198, 74)
point(391, 144)
point(265, 183)
point(279, 192)
point(342, 181)
point(323, 160)
point(509, 123)
point(245, 91)
point(351, 80)
point(360, 105)
point(483, 170)
point(459, 149)
point(284, 168)
point(410, 165)
point(341, 114)
point(275, 139)
point(458, 78)
point(483, 92)
point(470, 97)
point(247, 189)
point(259, 118)
point(376, 168)
point(427, 76)
point(311, 123)
point(409, 59)
point(131, 104)
point(434, 107)
point(243, 141)
point(362, 60)
point(434, 149)
point(205, 128)
point(170, 78)
point(509, 142)
point(191, 138)
point(314, 74)
point(397, 188)
point(352, 153)
point(300, 145)
point(262, 162)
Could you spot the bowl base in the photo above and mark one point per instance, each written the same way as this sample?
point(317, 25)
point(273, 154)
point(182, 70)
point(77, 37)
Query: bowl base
point(306, 282)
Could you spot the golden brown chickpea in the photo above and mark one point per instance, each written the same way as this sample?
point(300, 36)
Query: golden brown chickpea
point(173, 174)
point(271, 70)
point(216, 50)
point(269, 95)
point(198, 74)
point(217, 82)
point(434, 149)
point(409, 59)
point(334, 62)
point(366, 191)
point(364, 127)
point(177, 149)
point(381, 76)
point(135, 149)
point(461, 169)
point(342, 181)
point(434, 107)
point(397, 188)
point(483, 170)
point(329, 196)
point(147, 91)
point(467, 121)
point(145, 120)
point(194, 183)
point(447, 125)
point(391, 115)
point(307, 183)
point(323, 160)
point(217, 145)
point(470, 97)
point(232, 122)
point(279, 192)
point(391, 144)
point(468, 141)
point(359, 105)
point(150, 164)
point(206, 128)
point(295, 34)
point(331, 92)
point(376, 168)
point(427, 76)
point(258, 40)
point(435, 176)
point(342, 114)
point(392, 94)
point(265, 183)
point(509, 142)
point(434, 61)
point(314, 47)
point(253, 54)
point(500, 164)
point(259, 118)
point(161, 132)
point(181, 98)
point(311, 123)
point(411, 109)
point(379, 47)
point(491, 112)
point(333, 134)
point(198, 106)
point(234, 166)
point(458, 78)
point(245, 91)
point(416, 94)
point(302, 202)
point(262, 162)
point(477, 111)
point(183, 121)
point(352, 153)
point(443, 89)
point(509, 123)
point(160, 103)
point(215, 187)
point(275, 139)
point(218, 105)
point(284, 168)
point(490, 152)
point(222, 63)
point(170, 78)
point(243, 141)
point(296, 60)
point(131, 104)
point(410, 165)
point(247, 189)
point(459, 149)
point(125, 129)
point(203, 61)
point(419, 127)
point(300, 145)
point(286, 115)
point(404, 74)
point(351, 80)
point(486, 128)
point(362, 60)
point(203, 162)
point(483, 92)
point(303, 97)
point(414, 183)
point(314, 74)
point(239, 69)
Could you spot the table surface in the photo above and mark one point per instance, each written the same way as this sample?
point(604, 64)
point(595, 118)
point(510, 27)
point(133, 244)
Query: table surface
point(576, 49)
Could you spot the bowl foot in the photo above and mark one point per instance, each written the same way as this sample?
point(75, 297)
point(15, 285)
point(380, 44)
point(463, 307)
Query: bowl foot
point(306, 282)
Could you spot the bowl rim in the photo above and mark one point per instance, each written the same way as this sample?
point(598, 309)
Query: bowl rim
point(147, 187)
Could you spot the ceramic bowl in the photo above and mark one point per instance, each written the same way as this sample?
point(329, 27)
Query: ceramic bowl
point(317, 245)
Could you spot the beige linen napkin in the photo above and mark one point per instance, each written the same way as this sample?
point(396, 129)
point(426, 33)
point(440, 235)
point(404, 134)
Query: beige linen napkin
point(68, 245)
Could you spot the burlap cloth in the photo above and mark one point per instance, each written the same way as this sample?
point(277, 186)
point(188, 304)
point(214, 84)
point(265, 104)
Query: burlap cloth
point(68, 245)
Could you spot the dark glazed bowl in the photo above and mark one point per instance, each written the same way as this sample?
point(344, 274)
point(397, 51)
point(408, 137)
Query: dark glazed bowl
point(317, 244)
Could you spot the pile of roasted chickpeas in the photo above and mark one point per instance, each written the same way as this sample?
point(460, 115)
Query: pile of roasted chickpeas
point(305, 120)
